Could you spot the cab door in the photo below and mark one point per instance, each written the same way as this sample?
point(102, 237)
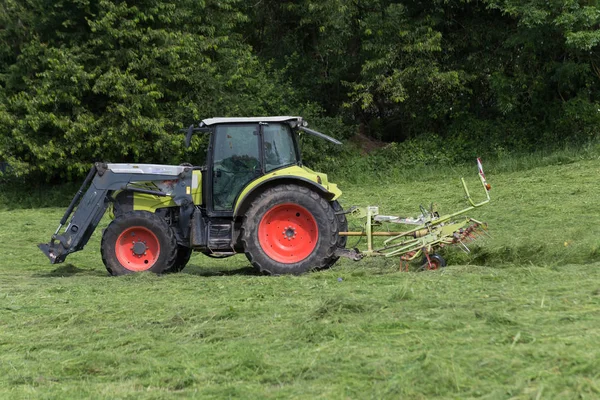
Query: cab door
point(236, 156)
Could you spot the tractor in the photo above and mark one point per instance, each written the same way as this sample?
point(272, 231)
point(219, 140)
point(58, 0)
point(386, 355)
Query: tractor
point(252, 196)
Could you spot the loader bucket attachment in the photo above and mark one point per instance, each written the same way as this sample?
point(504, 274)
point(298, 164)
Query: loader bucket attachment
point(102, 180)
point(90, 210)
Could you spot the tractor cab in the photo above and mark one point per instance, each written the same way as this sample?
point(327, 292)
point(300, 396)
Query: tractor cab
point(242, 150)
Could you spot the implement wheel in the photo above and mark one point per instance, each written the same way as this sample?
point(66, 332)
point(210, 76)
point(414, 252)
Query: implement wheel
point(138, 241)
point(290, 229)
point(436, 260)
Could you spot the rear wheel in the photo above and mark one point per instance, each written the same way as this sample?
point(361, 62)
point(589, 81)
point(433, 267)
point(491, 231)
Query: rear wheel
point(342, 227)
point(290, 229)
point(138, 241)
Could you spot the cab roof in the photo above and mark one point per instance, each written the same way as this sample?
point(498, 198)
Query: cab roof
point(215, 121)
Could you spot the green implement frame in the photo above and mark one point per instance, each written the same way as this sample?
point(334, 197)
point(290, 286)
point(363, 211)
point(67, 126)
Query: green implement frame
point(430, 231)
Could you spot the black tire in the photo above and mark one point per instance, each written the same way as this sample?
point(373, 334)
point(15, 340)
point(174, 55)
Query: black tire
point(120, 259)
point(183, 257)
point(317, 209)
point(342, 227)
point(436, 260)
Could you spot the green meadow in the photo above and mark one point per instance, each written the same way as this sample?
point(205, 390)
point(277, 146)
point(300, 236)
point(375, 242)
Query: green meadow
point(516, 318)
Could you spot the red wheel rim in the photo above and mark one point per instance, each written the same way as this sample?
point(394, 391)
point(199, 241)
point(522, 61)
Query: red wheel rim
point(137, 248)
point(432, 263)
point(435, 264)
point(288, 233)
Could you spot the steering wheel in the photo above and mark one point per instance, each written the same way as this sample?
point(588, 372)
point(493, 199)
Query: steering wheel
point(237, 164)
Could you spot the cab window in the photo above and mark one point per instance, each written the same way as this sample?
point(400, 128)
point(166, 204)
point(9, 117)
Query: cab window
point(279, 150)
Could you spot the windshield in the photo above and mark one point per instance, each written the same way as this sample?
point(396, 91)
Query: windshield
point(278, 146)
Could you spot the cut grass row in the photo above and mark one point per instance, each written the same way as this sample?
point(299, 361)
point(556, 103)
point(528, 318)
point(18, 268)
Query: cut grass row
point(466, 332)
point(515, 319)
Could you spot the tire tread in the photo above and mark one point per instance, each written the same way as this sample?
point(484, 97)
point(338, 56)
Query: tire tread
point(253, 251)
point(149, 220)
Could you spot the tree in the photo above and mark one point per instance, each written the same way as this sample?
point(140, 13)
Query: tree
point(115, 80)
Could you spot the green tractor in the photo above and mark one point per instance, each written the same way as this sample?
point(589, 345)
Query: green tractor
point(252, 196)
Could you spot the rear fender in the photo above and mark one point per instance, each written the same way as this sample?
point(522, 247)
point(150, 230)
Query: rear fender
point(244, 203)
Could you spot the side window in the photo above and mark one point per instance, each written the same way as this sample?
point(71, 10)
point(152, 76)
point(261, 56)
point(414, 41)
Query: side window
point(236, 162)
point(278, 146)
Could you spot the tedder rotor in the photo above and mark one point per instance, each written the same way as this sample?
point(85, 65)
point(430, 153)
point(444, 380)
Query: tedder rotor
point(251, 195)
point(430, 231)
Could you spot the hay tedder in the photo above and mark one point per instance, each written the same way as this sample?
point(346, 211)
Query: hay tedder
point(429, 231)
point(254, 196)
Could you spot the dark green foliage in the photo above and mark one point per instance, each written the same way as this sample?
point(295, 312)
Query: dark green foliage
point(84, 80)
point(405, 69)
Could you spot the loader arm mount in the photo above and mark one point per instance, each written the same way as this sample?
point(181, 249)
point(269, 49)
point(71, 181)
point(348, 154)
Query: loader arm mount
point(102, 180)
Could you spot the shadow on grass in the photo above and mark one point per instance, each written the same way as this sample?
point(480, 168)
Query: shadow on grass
point(69, 270)
point(219, 271)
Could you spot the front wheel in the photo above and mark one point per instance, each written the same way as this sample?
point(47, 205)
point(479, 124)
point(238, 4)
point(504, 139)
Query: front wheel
point(290, 229)
point(138, 241)
point(183, 257)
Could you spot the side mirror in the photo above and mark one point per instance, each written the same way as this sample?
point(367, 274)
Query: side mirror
point(190, 131)
point(188, 136)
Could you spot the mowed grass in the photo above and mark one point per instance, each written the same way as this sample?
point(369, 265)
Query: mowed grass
point(517, 318)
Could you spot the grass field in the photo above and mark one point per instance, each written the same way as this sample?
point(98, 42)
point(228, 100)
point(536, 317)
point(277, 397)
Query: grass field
point(518, 318)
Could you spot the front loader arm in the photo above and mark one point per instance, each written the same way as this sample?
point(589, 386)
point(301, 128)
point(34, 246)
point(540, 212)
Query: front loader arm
point(102, 180)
